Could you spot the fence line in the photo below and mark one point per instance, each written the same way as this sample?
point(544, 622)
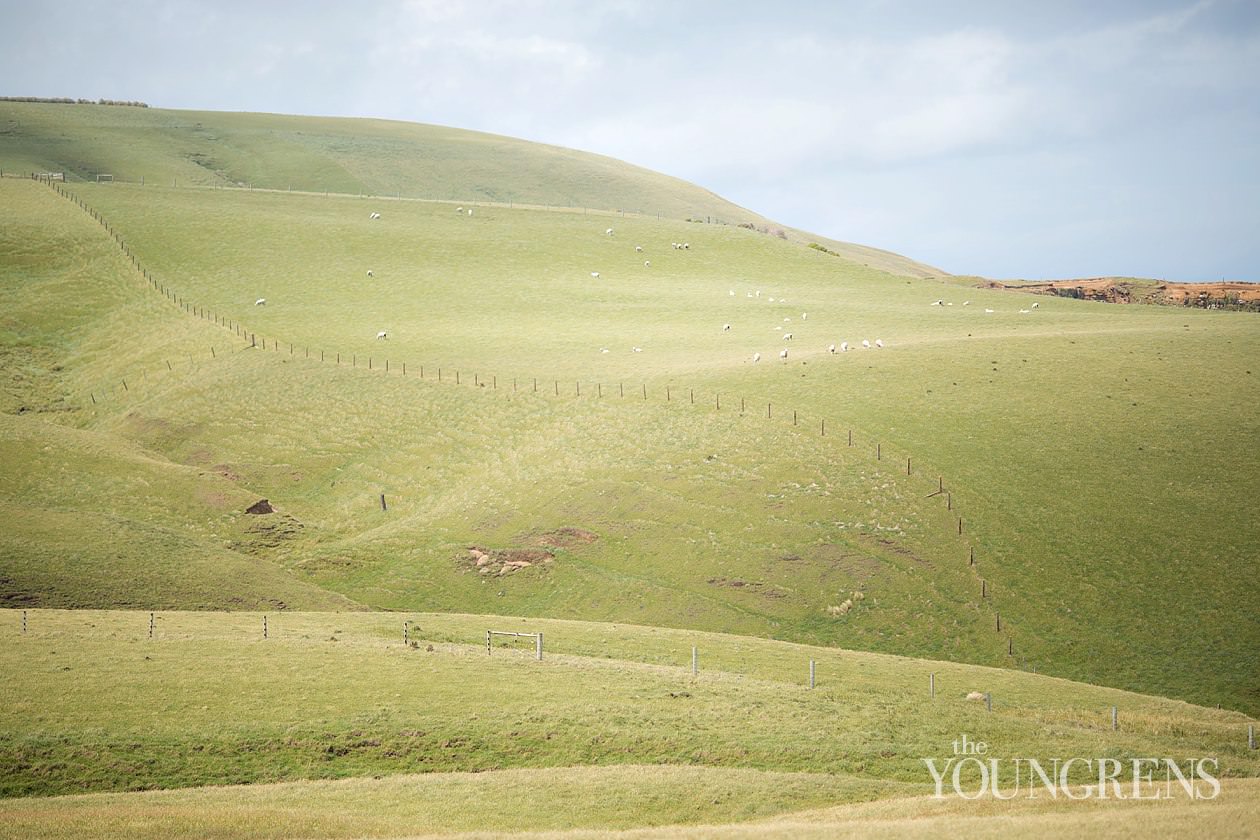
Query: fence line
point(241, 332)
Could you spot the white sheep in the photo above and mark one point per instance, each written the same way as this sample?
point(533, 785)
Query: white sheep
point(966, 303)
point(787, 336)
point(786, 320)
point(831, 348)
point(1036, 305)
point(647, 263)
point(844, 347)
point(382, 334)
point(603, 349)
point(804, 316)
point(260, 302)
point(937, 303)
point(866, 345)
point(1024, 311)
point(595, 274)
point(686, 246)
point(470, 211)
point(459, 209)
point(772, 300)
point(370, 274)
point(748, 294)
point(756, 357)
point(374, 215)
point(636, 349)
point(759, 293)
point(879, 343)
point(638, 249)
point(783, 353)
point(988, 312)
point(608, 232)
point(731, 292)
point(726, 328)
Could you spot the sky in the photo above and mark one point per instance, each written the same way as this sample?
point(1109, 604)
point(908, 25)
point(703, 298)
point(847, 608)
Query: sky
point(1004, 138)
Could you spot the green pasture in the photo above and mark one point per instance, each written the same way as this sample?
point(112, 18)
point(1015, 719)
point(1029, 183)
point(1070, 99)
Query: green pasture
point(383, 158)
point(94, 703)
point(1083, 445)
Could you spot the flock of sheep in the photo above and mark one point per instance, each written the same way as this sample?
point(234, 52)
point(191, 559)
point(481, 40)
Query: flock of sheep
point(843, 347)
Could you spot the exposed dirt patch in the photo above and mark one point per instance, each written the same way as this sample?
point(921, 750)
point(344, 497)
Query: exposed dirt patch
point(1131, 290)
point(225, 471)
point(566, 537)
point(858, 567)
point(897, 548)
point(504, 561)
point(760, 588)
point(13, 595)
point(265, 534)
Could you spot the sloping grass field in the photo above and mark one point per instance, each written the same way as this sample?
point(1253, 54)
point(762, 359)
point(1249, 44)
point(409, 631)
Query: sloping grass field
point(614, 711)
point(593, 433)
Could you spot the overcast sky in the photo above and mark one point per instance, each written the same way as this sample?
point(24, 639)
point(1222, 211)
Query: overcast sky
point(1009, 139)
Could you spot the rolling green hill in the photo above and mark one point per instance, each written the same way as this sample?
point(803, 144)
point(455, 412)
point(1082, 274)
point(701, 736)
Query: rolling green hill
point(206, 700)
point(1079, 443)
point(505, 397)
point(361, 157)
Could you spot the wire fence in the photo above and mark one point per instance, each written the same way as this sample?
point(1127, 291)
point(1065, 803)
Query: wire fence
point(248, 339)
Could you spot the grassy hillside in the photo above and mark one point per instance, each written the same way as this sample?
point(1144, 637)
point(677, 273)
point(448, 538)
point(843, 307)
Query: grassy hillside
point(208, 700)
point(529, 803)
point(359, 156)
point(1080, 442)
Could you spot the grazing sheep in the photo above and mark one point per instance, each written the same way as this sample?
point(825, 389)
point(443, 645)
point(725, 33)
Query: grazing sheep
point(1024, 311)
point(759, 293)
point(731, 292)
point(937, 303)
point(726, 328)
point(1036, 305)
point(636, 349)
point(786, 320)
point(459, 209)
point(966, 303)
point(608, 232)
point(756, 357)
point(374, 215)
point(382, 334)
point(595, 274)
point(686, 246)
point(879, 343)
point(260, 302)
point(603, 349)
point(804, 316)
point(783, 353)
point(370, 274)
point(470, 211)
point(772, 300)
point(866, 345)
point(787, 336)
point(988, 312)
point(647, 263)
point(748, 294)
point(844, 347)
point(976, 695)
point(831, 348)
point(638, 249)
